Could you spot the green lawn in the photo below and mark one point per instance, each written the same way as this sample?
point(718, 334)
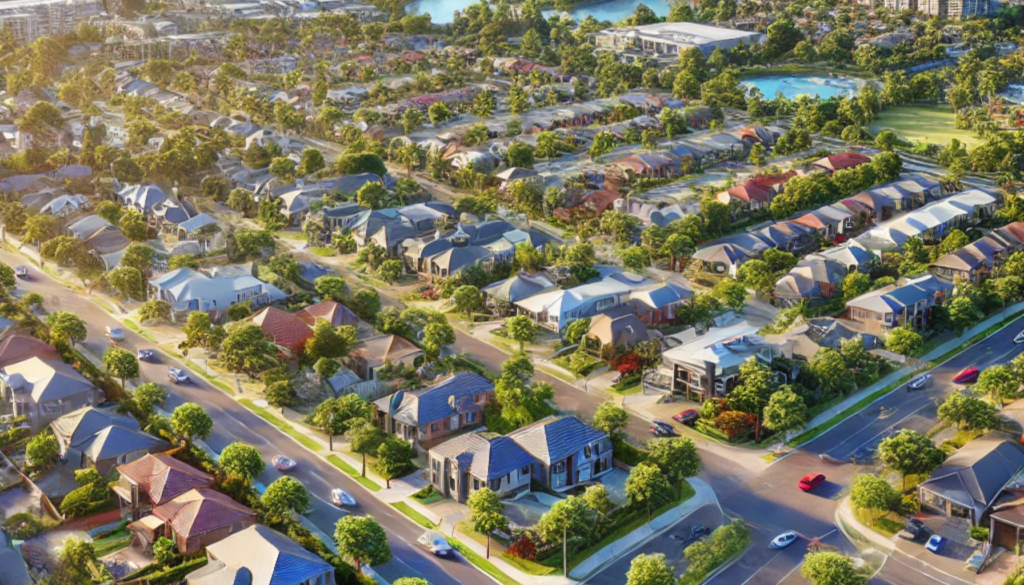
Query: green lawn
point(364, 481)
point(484, 565)
point(284, 426)
point(919, 123)
point(134, 327)
point(322, 251)
point(414, 515)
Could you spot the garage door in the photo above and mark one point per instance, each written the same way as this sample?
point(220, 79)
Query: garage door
point(1005, 536)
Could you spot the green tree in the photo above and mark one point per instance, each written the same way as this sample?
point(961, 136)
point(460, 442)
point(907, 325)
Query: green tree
point(830, 568)
point(467, 298)
point(242, 461)
point(332, 287)
point(42, 450)
point(603, 143)
point(610, 419)
point(575, 331)
point(968, 413)
point(127, 281)
point(312, 160)
point(998, 383)
point(962, 314)
point(855, 284)
point(190, 421)
point(155, 309)
point(647, 487)
point(134, 227)
point(486, 514)
point(364, 438)
point(676, 457)
point(40, 228)
point(568, 521)
point(280, 393)
point(732, 294)
point(650, 569)
point(328, 342)
point(110, 211)
point(520, 154)
point(121, 363)
point(904, 341)
point(522, 329)
point(66, 327)
point(412, 119)
point(439, 113)
point(910, 452)
point(785, 412)
point(831, 372)
point(635, 259)
point(269, 215)
point(242, 201)
point(286, 494)
point(247, 350)
point(361, 539)
point(394, 458)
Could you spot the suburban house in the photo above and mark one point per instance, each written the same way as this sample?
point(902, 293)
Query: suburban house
point(975, 261)
point(811, 279)
point(1006, 517)
point(101, 439)
point(340, 217)
point(932, 222)
point(726, 255)
point(969, 481)
point(788, 236)
point(486, 243)
point(285, 329)
point(557, 308)
point(194, 520)
point(45, 390)
point(467, 463)
point(899, 304)
point(261, 556)
point(830, 221)
point(850, 254)
point(566, 450)
point(656, 304)
point(153, 480)
point(709, 365)
point(17, 348)
point(374, 352)
point(66, 206)
point(617, 330)
point(503, 294)
point(333, 312)
point(142, 198)
point(837, 162)
point(190, 290)
point(425, 417)
point(749, 195)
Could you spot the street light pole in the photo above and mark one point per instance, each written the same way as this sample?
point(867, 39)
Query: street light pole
point(330, 433)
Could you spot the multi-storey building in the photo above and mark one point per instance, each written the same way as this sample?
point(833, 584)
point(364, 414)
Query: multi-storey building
point(28, 20)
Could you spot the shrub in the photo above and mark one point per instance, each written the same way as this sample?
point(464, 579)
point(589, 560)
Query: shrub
point(23, 526)
point(627, 453)
point(979, 533)
point(176, 574)
point(523, 548)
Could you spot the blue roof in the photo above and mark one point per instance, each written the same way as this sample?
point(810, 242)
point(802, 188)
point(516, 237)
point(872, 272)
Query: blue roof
point(197, 222)
point(553, 439)
point(434, 404)
point(486, 458)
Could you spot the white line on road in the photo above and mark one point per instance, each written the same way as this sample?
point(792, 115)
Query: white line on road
point(885, 430)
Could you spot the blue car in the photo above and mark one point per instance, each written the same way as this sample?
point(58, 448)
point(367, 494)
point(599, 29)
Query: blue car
point(936, 543)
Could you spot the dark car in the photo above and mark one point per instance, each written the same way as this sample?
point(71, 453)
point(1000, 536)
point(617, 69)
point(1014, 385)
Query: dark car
point(810, 481)
point(686, 417)
point(660, 429)
point(699, 531)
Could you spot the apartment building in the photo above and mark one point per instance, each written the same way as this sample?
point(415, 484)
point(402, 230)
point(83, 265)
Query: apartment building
point(27, 20)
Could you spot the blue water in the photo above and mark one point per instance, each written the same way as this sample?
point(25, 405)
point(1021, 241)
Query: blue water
point(790, 86)
point(441, 11)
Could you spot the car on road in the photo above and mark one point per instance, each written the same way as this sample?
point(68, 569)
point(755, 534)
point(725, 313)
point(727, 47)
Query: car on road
point(661, 429)
point(341, 498)
point(783, 540)
point(178, 376)
point(282, 463)
point(968, 375)
point(936, 543)
point(686, 417)
point(436, 543)
point(21, 271)
point(699, 531)
point(810, 481)
point(115, 334)
point(919, 382)
point(864, 453)
point(146, 355)
point(1019, 338)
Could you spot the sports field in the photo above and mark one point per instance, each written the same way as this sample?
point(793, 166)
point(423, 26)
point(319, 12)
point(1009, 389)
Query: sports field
point(923, 124)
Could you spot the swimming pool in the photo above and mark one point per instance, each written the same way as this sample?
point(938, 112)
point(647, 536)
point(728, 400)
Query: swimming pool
point(794, 85)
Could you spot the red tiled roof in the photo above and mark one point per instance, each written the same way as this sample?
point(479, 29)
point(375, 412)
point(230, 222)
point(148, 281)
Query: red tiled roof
point(335, 312)
point(199, 511)
point(1015, 229)
point(843, 160)
point(18, 348)
point(286, 329)
point(163, 477)
point(775, 179)
point(751, 191)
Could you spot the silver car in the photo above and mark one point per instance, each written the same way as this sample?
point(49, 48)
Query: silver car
point(920, 382)
point(436, 543)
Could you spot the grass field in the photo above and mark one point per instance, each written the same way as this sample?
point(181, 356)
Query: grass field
point(918, 123)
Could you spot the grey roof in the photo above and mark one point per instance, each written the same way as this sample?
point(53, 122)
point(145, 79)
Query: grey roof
point(435, 403)
point(270, 557)
point(552, 439)
point(343, 210)
point(486, 458)
point(195, 223)
point(519, 287)
point(75, 427)
point(351, 183)
point(45, 381)
point(456, 258)
point(87, 226)
point(974, 475)
point(116, 440)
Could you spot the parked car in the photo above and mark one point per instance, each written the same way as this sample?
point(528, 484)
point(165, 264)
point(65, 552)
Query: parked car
point(282, 463)
point(686, 417)
point(178, 376)
point(341, 498)
point(967, 375)
point(115, 334)
point(914, 529)
point(936, 543)
point(21, 271)
point(146, 355)
point(783, 540)
point(919, 382)
point(436, 543)
point(810, 481)
point(660, 429)
point(1019, 338)
point(699, 531)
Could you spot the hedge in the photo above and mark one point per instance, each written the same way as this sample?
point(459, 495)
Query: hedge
point(176, 574)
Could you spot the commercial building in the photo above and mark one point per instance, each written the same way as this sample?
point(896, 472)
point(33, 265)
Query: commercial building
point(27, 20)
point(669, 38)
point(955, 9)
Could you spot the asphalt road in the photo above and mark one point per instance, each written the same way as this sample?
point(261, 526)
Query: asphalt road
point(772, 503)
point(233, 422)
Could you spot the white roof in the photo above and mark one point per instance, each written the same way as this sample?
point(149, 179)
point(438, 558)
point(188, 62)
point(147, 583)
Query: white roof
point(718, 346)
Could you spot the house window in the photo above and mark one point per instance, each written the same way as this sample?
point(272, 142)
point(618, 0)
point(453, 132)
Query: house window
point(470, 417)
point(587, 452)
point(451, 483)
point(476, 483)
point(558, 467)
point(433, 427)
point(524, 471)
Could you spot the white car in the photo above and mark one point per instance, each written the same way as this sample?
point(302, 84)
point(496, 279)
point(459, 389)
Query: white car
point(1019, 339)
point(920, 382)
point(21, 271)
point(341, 498)
point(783, 540)
point(436, 543)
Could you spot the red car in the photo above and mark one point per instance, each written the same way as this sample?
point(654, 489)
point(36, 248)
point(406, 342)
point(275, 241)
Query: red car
point(686, 417)
point(967, 376)
point(810, 481)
